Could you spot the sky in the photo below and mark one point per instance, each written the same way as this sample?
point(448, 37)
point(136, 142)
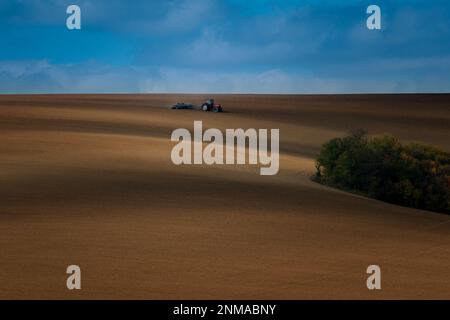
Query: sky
point(224, 46)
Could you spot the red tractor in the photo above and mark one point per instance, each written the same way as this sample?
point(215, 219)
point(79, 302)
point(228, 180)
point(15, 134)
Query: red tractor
point(210, 105)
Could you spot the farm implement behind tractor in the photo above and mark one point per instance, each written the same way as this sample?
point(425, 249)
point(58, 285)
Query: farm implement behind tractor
point(208, 105)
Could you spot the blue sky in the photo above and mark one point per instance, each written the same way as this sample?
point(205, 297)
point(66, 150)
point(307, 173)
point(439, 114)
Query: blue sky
point(224, 46)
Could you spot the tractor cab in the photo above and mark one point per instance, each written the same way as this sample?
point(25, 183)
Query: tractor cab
point(210, 105)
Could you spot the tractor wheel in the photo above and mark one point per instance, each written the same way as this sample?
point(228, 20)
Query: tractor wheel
point(205, 107)
point(215, 109)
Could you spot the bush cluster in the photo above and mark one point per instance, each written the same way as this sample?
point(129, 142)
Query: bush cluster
point(413, 175)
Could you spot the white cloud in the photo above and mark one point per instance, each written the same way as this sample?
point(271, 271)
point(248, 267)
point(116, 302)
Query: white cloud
point(23, 68)
point(40, 76)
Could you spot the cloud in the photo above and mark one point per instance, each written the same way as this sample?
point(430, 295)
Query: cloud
point(23, 68)
point(224, 46)
point(211, 50)
point(43, 77)
point(136, 18)
point(92, 77)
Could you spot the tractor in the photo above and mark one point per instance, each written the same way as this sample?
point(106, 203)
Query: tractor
point(210, 105)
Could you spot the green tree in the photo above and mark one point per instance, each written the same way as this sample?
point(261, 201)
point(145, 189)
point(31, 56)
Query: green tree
point(413, 175)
